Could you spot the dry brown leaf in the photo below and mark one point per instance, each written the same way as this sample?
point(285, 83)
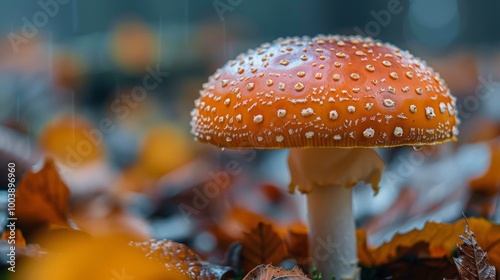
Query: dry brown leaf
point(262, 246)
point(472, 261)
point(441, 240)
point(42, 200)
point(269, 272)
point(297, 243)
point(234, 223)
point(180, 258)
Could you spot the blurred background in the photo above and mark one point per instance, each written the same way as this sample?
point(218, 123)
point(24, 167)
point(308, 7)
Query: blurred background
point(106, 87)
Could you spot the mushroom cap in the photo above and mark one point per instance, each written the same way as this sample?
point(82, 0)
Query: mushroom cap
point(326, 91)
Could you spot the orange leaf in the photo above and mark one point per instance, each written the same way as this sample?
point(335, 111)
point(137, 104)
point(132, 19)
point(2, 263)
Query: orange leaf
point(262, 246)
point(410, 262)
point(20, 242)
point(181, 259)
point(441, 240)
point(297, 243)
point(489, 183)
point(269, 272)
point(42, 199)
point(234, 223)
point(365, 253)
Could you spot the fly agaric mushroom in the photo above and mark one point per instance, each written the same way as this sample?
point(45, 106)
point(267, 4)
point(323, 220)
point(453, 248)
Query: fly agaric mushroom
point(343, 94)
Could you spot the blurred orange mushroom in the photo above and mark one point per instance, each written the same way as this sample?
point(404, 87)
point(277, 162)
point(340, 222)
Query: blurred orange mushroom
point(164, 148)
point(133, 46)
point(72, 140)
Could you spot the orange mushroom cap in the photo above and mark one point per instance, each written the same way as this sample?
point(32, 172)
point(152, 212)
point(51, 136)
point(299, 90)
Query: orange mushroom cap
point(326, 91)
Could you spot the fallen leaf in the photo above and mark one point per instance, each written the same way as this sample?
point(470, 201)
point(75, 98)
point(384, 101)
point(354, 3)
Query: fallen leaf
point(42, 199)
point(180, 258)
point(16, 235)
point(99, 258)
point(269, 272)
point(415, 263)
point(262, 246)
point(409, 268)
point(234, 223)
point(472, 261)
point(409, 261)
point(488, 184)
point(365, 252)
point(297, 243)
point(441, 240)
point(485, 188)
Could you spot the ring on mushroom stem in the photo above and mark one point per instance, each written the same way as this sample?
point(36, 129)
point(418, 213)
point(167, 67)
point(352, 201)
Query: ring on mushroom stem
point(346, 94)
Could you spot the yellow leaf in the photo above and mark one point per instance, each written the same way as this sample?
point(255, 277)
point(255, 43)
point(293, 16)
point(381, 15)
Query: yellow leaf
point(102, 258)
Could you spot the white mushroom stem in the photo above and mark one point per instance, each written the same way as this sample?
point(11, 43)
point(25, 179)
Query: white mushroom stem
point(332, 238)
point(327, 176)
